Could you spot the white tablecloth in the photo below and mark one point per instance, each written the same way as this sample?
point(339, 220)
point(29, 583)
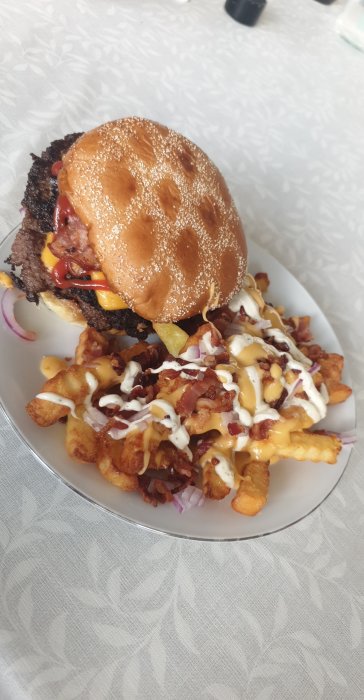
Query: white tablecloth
point(91, 607)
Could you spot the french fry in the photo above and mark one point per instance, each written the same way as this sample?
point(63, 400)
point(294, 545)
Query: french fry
point(51, 365)
point(312, 447)
point(81, 440)
point(127, 455)
point(105, 463)
point(252, 493)
point(212, 486)
point(173, 337)
point(71, 384)
point(262, 281)
point(91, 345)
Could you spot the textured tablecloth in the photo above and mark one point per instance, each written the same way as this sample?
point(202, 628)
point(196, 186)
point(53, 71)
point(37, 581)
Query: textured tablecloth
point(94, 608)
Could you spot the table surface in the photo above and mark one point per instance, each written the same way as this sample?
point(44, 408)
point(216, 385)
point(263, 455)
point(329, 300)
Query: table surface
point(91, 607)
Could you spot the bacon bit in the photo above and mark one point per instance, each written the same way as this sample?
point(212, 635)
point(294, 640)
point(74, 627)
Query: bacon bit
point(314, 352)
point(222, 359)
point(223, 403)
point(259, 431)
point(201, 448)
point(117, 363)
point(281, 360)
point(243, 315)
point(195, 389)
point(280, 401)
point(262, 281)
point(221, 318)
point(235, 428)
point(152, 357)
point(119, 424)
point(282, 347)
point(301, 326)
point(210, 361)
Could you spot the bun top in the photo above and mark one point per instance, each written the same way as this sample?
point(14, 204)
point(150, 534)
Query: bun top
point(160, 217)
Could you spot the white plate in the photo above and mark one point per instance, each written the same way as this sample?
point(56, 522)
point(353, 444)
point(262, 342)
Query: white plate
point(296, 488)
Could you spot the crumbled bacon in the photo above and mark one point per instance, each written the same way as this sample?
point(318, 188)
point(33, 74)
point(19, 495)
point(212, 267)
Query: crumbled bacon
point(282, 347)
point(301, 326)
point(221, 318)
point(221, 403)
point(314, 352)
point(194, 390)
point(151, 357)
point(201, 447)
point(117, 363)
point(235, 428)
point(260, 431)
point(73, 240)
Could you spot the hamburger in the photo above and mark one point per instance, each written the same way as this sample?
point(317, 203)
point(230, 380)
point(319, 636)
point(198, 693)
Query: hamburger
point(128, 225)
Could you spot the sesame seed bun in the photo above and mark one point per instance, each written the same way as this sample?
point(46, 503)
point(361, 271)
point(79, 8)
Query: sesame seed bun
point(159, 215)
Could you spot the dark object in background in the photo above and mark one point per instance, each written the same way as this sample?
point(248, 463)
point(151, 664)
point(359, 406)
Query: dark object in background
point(325, 2)
point(245, 11)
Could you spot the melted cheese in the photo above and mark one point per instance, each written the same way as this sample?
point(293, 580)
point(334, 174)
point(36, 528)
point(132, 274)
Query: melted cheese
point(48, 259)
point(5, 280)
point(108, 300)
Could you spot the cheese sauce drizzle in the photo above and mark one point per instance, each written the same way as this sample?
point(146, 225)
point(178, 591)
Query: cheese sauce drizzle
point(162, 411)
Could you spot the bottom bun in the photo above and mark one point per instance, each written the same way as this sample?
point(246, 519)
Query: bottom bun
point(66, 309)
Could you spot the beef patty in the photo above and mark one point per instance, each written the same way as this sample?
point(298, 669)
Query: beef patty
point(39, 203)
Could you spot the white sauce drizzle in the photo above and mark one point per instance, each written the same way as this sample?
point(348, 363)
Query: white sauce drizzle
point(281, 337)
point(177, 367)
point(251, 307)
point(228, 384)
point(132, 369)
point(224, 470)
point(59, 400)
point(262, 410)
point(179, 435)
point(315, 406)
point(93, 384)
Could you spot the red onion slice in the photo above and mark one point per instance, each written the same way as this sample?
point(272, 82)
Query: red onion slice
point(95, 418)
point(144, 414)
point(190, 497)
point(228, 417)
point(314, 368)
point(192, 353)
point(9, 298)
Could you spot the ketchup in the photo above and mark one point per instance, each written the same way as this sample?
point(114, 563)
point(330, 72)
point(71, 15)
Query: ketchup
point(62, 268)
point(56, 167)
point(62, 212)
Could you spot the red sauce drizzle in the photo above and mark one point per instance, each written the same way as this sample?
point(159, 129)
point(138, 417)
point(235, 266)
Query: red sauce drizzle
point(63, 267)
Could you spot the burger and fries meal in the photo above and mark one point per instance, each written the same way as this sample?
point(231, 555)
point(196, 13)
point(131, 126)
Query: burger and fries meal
point(130, 230)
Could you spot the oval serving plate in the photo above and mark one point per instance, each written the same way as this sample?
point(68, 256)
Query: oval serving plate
point(296, 488)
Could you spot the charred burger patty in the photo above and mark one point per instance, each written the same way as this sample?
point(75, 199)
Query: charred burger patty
point(28, 270)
